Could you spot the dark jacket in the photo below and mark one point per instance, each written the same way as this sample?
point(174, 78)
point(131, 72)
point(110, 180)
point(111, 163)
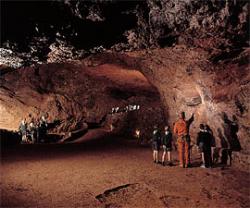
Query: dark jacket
point(156, 136)
point(167, 139)
point(204, 138)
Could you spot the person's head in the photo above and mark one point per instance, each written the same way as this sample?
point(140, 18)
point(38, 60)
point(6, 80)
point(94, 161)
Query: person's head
point(182, 115)
point(202, 127)
point(166, 128)
point(206, 127)
point(155, 127)
point(234, 118)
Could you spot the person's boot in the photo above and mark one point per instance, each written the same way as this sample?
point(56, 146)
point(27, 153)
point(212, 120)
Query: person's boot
point(163, 163)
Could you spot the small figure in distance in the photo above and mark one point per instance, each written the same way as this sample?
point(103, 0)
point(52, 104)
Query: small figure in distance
point(213, 143)
point(156, 142)
point(200, 144)
point(32, 132)
point(43, 129)
point(23, 130)
point(167, 145)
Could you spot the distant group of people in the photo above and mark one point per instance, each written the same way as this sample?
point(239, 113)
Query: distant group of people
point(33, 131)
point(181, 130)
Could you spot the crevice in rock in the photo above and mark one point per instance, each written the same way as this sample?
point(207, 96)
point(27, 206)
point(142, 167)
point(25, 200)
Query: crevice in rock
point(106, 193)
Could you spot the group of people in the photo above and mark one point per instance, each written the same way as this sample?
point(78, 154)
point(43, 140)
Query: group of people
point(33, 131)
point(181, 130)
point(166, 141)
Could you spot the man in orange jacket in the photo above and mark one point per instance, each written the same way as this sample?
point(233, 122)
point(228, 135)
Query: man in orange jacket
point(181, 128)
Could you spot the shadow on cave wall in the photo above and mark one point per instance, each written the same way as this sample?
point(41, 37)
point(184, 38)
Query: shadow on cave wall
point(223, 141)
point(231, 128)
point(230, 138)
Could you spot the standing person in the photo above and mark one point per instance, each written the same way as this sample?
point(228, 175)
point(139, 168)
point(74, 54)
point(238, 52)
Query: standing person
point(156, 144)
point(43, 124)
point(23, 131)
point(204, 142)
point(181, 128)
point(38, 129)
point(200, 143)
point(213, 143)
point(32, 131)
point(167, 145)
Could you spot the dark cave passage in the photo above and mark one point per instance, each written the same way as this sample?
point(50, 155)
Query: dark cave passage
point(48, 19)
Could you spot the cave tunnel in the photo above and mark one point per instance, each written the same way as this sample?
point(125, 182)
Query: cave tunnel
point(103, 74)
point(78, 100)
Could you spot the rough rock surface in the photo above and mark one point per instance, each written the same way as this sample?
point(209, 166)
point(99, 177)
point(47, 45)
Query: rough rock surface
point(203, 67)
point(122, 26)
point(82, 93)
point(190, 80)
point(77, 97)
point(217, 93)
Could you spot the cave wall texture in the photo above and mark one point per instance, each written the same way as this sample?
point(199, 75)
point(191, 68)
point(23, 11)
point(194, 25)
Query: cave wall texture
point(52, 31)
point(195, 53)
point(79, 96)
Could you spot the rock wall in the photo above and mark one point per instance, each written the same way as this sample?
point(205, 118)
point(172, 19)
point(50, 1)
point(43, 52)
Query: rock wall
point(56, 31)
point(190, 80)
point(79, 96)
point(217, 94)
point(202, 68)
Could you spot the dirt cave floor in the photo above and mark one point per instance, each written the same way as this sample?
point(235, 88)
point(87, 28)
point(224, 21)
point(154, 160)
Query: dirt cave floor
point(113, 172)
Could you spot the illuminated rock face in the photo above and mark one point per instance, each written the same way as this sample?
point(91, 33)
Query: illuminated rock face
point(82, 93)
point(217, 93)
point(207, 75)
point(79, 97)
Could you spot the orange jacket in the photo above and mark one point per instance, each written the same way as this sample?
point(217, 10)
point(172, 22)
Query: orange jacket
point(180, 127)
